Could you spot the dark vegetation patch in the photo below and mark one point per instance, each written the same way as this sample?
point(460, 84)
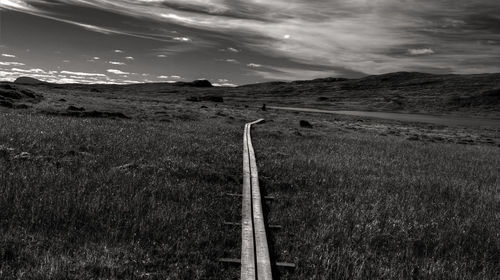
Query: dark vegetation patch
point(17, 93)
point(6, 104)
point(12, 94)
point(87, 114)
point(16, 97)
point(490, 98)
point(210, 98)
point(306, 124)
point(75, 108)
point(21, 106)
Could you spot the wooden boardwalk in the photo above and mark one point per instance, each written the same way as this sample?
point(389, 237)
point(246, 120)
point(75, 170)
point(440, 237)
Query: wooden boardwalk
point(255, 260)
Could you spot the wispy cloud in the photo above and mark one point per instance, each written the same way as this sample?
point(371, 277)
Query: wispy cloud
point(420, 51)
point(12, 64)
point(117, 72)
point(31, 71)
point(116, 63)
point(254, 65)
point(82, 74)
point(182, 39)
point(8, 55)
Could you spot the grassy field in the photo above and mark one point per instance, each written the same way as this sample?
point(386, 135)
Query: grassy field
point(87, 198)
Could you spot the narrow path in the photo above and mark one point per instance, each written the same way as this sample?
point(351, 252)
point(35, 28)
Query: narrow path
point(255, 260)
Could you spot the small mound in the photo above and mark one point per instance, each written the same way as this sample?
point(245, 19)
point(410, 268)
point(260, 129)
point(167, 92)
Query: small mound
point(305, 124)
point(28, 81)
point(197, 83)
point(15, 98)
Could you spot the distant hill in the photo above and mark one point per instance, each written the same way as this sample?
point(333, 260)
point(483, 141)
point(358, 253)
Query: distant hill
point(400, 91)
point(29, 81)
point(393, 92)
point(196, 83)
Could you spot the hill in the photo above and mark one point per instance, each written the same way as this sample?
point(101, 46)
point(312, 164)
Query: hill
point(401, 91)
point(466, 95)
point(28, 81)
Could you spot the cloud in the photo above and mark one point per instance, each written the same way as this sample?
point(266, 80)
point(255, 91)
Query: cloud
point(224, 85)
point(54, 76)
point(176, 77)
point(118, 51)
point(33, 70)
point(129, 58)
point(182, 39)
point(254, 65)
point(233, 50)
point(117, 72)
point(231, 60)
point(116, 63)
point(8, 55)
point(82, 74)
point(163, 77)
point(420, 51)
point(12, 64)
point(361, 36)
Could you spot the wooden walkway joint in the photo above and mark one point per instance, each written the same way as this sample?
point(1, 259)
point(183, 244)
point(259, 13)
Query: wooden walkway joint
point(255, 260)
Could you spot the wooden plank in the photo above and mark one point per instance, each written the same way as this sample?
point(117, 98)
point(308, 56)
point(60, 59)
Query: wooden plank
point(267, 197)
point(239, 224)
point(248, 266)
point(263, 260)
point(238, 261)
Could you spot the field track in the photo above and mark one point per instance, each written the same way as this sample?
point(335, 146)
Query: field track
point(255, 260)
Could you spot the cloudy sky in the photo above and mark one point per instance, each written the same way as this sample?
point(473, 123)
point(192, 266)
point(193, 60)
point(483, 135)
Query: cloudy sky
point(244, 41)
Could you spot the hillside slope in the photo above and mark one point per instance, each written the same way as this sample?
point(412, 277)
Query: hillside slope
point(401, 91)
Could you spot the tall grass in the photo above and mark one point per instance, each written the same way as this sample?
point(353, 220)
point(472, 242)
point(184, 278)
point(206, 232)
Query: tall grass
point(359, 206)
point(115, 199)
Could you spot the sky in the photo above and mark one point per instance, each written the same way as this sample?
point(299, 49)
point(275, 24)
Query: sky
point(235, 42)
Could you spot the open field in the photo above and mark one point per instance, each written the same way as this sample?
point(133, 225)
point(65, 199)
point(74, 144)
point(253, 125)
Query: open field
point(141, 199)
point(131, 187)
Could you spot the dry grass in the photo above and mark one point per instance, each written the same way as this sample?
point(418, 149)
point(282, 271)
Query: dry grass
point(113, 199)
point(129, 199)
point(360, 206)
